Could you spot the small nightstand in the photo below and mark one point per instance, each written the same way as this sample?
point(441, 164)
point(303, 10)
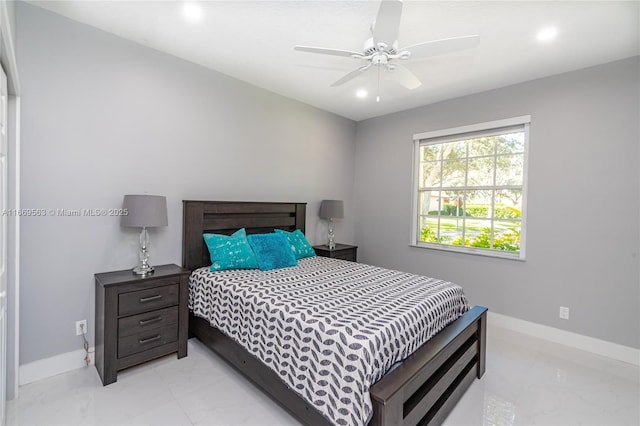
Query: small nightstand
point(342, 251)
point(139, 318)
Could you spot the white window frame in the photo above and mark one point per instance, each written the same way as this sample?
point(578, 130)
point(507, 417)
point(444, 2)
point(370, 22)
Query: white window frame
point(457, 133)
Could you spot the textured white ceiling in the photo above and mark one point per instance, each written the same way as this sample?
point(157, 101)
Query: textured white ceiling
point(253, 41)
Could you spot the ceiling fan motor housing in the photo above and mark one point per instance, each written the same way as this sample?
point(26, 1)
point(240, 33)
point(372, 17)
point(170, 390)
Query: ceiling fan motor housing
point(379, 59)
point(370, 48)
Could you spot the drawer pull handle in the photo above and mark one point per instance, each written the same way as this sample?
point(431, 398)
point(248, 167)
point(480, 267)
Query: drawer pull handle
point(150, 321)
point(150, 339)
point(150, 298)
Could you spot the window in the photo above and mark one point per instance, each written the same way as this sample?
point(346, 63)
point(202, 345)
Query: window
point(470, 188)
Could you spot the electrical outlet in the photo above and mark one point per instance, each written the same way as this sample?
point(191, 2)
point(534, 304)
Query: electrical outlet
point(81, 327)
point(564, 312)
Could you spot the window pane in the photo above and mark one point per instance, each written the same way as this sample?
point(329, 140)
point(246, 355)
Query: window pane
point(453, 173)
point(428, 230)
point(453, 150)
point(452, 203)
point(429, 202)
point(508, 204)
point(478, 233)
point(430, 152)
point(511, 143)
point(507, 236)
point(509, 169)
point(430, 174)
point(480, 171)
point(451, 230)
point(479, 204)
point(482, 147)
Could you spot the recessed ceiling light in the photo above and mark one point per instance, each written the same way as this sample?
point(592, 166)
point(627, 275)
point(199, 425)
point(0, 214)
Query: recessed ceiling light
point(547, 34)
point(361, 93)
point(192, 11)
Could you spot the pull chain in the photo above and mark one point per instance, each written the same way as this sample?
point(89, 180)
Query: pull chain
point(378, 95)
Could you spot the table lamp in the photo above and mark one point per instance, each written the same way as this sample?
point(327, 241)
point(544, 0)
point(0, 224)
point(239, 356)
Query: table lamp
point(331, 209)
point(144, 211)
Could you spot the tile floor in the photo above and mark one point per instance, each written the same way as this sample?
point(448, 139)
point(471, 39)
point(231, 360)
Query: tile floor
point(528, 381)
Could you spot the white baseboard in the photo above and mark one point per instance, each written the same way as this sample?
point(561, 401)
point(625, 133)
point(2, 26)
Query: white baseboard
point(49, 367)
point(600, 347)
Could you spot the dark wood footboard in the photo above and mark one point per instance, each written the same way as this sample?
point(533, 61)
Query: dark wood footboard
point(425, 388)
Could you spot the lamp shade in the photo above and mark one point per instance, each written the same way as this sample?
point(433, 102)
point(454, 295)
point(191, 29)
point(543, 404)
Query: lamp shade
point(144, 211)
point(332, 209)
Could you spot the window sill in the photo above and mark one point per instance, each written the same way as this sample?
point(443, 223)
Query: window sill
point(471, 250)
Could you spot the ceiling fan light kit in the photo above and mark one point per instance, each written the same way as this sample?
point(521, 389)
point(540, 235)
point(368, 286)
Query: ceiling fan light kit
point(381, 50)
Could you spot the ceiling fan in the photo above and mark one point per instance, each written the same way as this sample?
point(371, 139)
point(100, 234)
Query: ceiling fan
point(382, 49)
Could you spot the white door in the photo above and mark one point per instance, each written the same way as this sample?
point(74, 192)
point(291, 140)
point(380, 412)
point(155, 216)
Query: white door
point(3, 246)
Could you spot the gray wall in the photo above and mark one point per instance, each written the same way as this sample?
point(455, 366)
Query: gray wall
point(583, 207)
point(103, 117)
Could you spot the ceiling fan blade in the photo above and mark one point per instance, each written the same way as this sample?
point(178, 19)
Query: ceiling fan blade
point(385, 29)
point(439, 47)
point(406, 77)
point(326, 51)
point(353, 74)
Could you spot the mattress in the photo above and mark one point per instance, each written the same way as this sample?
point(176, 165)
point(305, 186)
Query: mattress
point(328, 327)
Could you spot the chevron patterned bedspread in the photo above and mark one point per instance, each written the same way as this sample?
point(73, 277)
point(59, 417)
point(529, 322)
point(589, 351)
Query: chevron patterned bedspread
point(329, 328)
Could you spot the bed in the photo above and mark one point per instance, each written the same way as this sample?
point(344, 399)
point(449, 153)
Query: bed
point(421, 390)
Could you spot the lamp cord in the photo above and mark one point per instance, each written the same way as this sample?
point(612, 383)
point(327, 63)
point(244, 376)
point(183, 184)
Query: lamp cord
point(87, 358)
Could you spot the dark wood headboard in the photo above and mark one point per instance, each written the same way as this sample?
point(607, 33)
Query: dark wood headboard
point(226, 217)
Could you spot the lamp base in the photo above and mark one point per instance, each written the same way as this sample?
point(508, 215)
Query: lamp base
point(142, 270)
point(332, 241)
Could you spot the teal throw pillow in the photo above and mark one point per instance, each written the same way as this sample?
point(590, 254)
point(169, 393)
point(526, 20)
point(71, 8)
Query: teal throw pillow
point(230, 251)
point(299, 243)
point(272, 251)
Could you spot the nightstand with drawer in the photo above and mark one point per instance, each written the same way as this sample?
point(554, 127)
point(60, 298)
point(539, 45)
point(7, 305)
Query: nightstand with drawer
point(139, 318)
point(341, 251)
